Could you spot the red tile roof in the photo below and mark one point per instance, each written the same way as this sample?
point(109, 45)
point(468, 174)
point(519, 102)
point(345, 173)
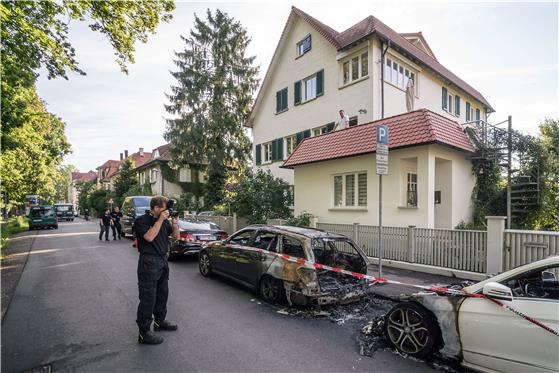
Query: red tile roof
point(410, 129)
point(84, 176)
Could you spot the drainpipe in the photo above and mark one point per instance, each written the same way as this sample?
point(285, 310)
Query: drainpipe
point(384, 50)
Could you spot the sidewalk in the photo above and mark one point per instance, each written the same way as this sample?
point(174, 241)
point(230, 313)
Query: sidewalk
point(409, 277)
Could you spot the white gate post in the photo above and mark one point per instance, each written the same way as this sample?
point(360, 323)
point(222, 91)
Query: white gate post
point(314, 222)
point(411, 243)
point(495, 236)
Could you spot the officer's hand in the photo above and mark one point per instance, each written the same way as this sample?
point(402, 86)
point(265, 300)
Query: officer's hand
point(164, 215)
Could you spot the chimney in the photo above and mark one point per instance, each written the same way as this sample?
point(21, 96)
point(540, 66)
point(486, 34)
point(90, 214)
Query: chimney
point(126, 154)
point(141, 152)
point(121, 156)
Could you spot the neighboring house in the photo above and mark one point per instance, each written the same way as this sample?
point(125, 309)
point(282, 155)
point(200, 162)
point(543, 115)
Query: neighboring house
point(168, 181)
point(79, 176)
point(108, 172)
point(429, 182)
point(315, 71)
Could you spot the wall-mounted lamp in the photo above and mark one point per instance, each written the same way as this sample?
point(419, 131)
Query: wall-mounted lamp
point(362, 111)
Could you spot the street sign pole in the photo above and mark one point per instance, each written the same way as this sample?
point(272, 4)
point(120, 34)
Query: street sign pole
point(382, 169)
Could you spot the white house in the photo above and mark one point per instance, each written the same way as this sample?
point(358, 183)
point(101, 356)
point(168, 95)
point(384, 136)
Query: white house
point(315, 71)
point(429, 182)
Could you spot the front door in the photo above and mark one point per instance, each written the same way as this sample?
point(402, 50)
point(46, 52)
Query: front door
point(250, 263)
point(496, 338)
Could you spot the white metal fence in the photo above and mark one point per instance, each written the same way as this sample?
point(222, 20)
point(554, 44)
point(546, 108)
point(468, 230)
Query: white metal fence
point(457, 249)
point(522, 247)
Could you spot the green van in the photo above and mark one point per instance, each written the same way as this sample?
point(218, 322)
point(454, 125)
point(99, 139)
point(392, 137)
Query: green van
point(43, 216)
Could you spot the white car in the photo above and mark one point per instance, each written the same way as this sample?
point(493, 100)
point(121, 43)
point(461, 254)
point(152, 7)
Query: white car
point(483, 335)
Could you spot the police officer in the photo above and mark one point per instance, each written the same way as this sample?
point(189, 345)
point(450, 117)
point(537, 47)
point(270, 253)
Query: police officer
point(117, 228)
point(104, 223)
point(152, 231)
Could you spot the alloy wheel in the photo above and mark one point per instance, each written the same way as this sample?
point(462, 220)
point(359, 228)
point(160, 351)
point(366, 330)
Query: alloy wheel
point(204, 264)
point(407, 330)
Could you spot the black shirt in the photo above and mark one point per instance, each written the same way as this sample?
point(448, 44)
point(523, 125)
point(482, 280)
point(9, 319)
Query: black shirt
point(116, 216)
point(106, 219)
point(160, 243)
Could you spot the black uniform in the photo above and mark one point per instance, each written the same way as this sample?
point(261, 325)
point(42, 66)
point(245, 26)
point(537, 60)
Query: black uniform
point(153, 272)
point(106, 222)
point(117, 228)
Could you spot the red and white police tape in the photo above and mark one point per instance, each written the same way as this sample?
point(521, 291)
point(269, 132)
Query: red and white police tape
point(380, 280)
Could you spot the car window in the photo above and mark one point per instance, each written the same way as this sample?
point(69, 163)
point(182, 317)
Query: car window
point(265, 241)
point(339, 253)
point(292, 247)
point(542, 284)
point(241, 238)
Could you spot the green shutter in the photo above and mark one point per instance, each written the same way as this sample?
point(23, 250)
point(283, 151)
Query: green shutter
point(278, 101)
point(330, 127)
point(477, 115)
point(457, 105)
point(445, 98)
point(306, 133)
point(258, 154)
point(468, 112)
point(280, 148)
point(284, 98)
point(307, 44)
point(297, 95)
point(320, 83)
point(274, 150)
point(299, 137)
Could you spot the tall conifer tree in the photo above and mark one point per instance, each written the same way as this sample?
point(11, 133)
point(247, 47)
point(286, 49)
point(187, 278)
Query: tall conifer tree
point(215, 81)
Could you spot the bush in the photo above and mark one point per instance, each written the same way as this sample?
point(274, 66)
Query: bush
point(10, 227)
point(301, 220)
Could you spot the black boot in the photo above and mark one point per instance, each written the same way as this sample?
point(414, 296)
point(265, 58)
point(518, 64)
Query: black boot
point(164, 325)
point(149, 338)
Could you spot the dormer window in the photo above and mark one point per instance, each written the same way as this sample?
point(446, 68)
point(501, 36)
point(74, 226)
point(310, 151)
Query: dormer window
point(304, 46)
point(156, 153)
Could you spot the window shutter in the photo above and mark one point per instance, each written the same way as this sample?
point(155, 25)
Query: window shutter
point(477, 114)
point(299, 137)
point(297, 95)
point(445, 98)
point(306, 133)
point(274, 150)
point(320, 83)
point(278, 101)
point(258, 154)
point(468, 112)
point(284, 98)
point(307, 44)
point(280, 149)
point(330, 127)
point(457, 105)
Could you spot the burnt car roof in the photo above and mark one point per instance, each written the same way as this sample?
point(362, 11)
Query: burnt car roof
point(307, 232)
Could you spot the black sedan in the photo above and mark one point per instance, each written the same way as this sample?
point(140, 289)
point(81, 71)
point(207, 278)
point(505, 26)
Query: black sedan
point(194, 234)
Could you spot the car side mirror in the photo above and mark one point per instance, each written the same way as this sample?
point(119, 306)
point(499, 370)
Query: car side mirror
point(497, 291)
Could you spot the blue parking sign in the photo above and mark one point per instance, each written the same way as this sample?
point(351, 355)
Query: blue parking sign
point(382, 134)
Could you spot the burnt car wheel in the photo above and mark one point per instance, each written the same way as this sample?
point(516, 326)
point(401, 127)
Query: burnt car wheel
point(271, 290)
point(412, 329)
point(204, 264)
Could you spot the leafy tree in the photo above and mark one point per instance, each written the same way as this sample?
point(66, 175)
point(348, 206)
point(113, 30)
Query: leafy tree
point(548, 217)
point(63, 182)
point(260, 196)
point(84, 188)
point(215, 81)
point(98, 200)
point(125, 180)
point(139, 190)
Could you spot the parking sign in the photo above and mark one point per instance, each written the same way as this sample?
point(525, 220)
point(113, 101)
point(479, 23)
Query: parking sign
point(382, 150)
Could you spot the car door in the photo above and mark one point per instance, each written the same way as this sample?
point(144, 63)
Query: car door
point(127, 218)
point(250, 264)
point(496, 338)
point(226, 258)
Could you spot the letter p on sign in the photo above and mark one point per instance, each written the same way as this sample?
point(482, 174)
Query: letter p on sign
point(382, 135)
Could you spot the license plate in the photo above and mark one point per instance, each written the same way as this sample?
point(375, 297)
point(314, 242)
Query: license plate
point(207, 238)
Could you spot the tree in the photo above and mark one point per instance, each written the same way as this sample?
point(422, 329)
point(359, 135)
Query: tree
point(260, 196)
point(215, 81)
point(125, 180)
point(98, 200)
point(84, 188)
point(63, 182)
point(549, 139)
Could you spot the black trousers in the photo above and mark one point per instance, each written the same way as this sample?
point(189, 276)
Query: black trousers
point(153, 286)
point(104, 229)
point(117, 230)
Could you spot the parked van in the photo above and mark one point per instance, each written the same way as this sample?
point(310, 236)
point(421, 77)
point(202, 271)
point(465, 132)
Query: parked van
point(64, 211)
point(43, 216)
point(132, 207)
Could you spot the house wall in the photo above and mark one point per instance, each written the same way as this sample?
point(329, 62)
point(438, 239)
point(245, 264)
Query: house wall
point(314, 191)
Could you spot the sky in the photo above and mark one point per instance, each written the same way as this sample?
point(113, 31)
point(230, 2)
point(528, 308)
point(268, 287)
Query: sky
point(506, 50)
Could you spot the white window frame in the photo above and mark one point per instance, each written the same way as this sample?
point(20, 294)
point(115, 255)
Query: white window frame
point(343, 204)
point(290, 143)
point(300, 46)
point(153, 175)
point(185, 175)
point(394, 78)
point(411, 184)
point(348, 61)
point(156, 153)
point(317, 131)
point(306, 81)
point(267, 152)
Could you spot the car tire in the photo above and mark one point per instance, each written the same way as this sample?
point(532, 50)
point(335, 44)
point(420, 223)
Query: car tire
point(412, 329)
point(56, 226)
point(204, 264)
point(271, 290)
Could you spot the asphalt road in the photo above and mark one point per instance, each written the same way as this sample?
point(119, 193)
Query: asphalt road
point(75, 307)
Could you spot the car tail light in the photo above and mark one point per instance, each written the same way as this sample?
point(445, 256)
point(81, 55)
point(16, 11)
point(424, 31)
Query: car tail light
point(222, 236)
point(186, 236)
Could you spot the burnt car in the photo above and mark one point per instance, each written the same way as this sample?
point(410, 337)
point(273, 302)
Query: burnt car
point(194, 233)
point(479, 333)
point(278, 280)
